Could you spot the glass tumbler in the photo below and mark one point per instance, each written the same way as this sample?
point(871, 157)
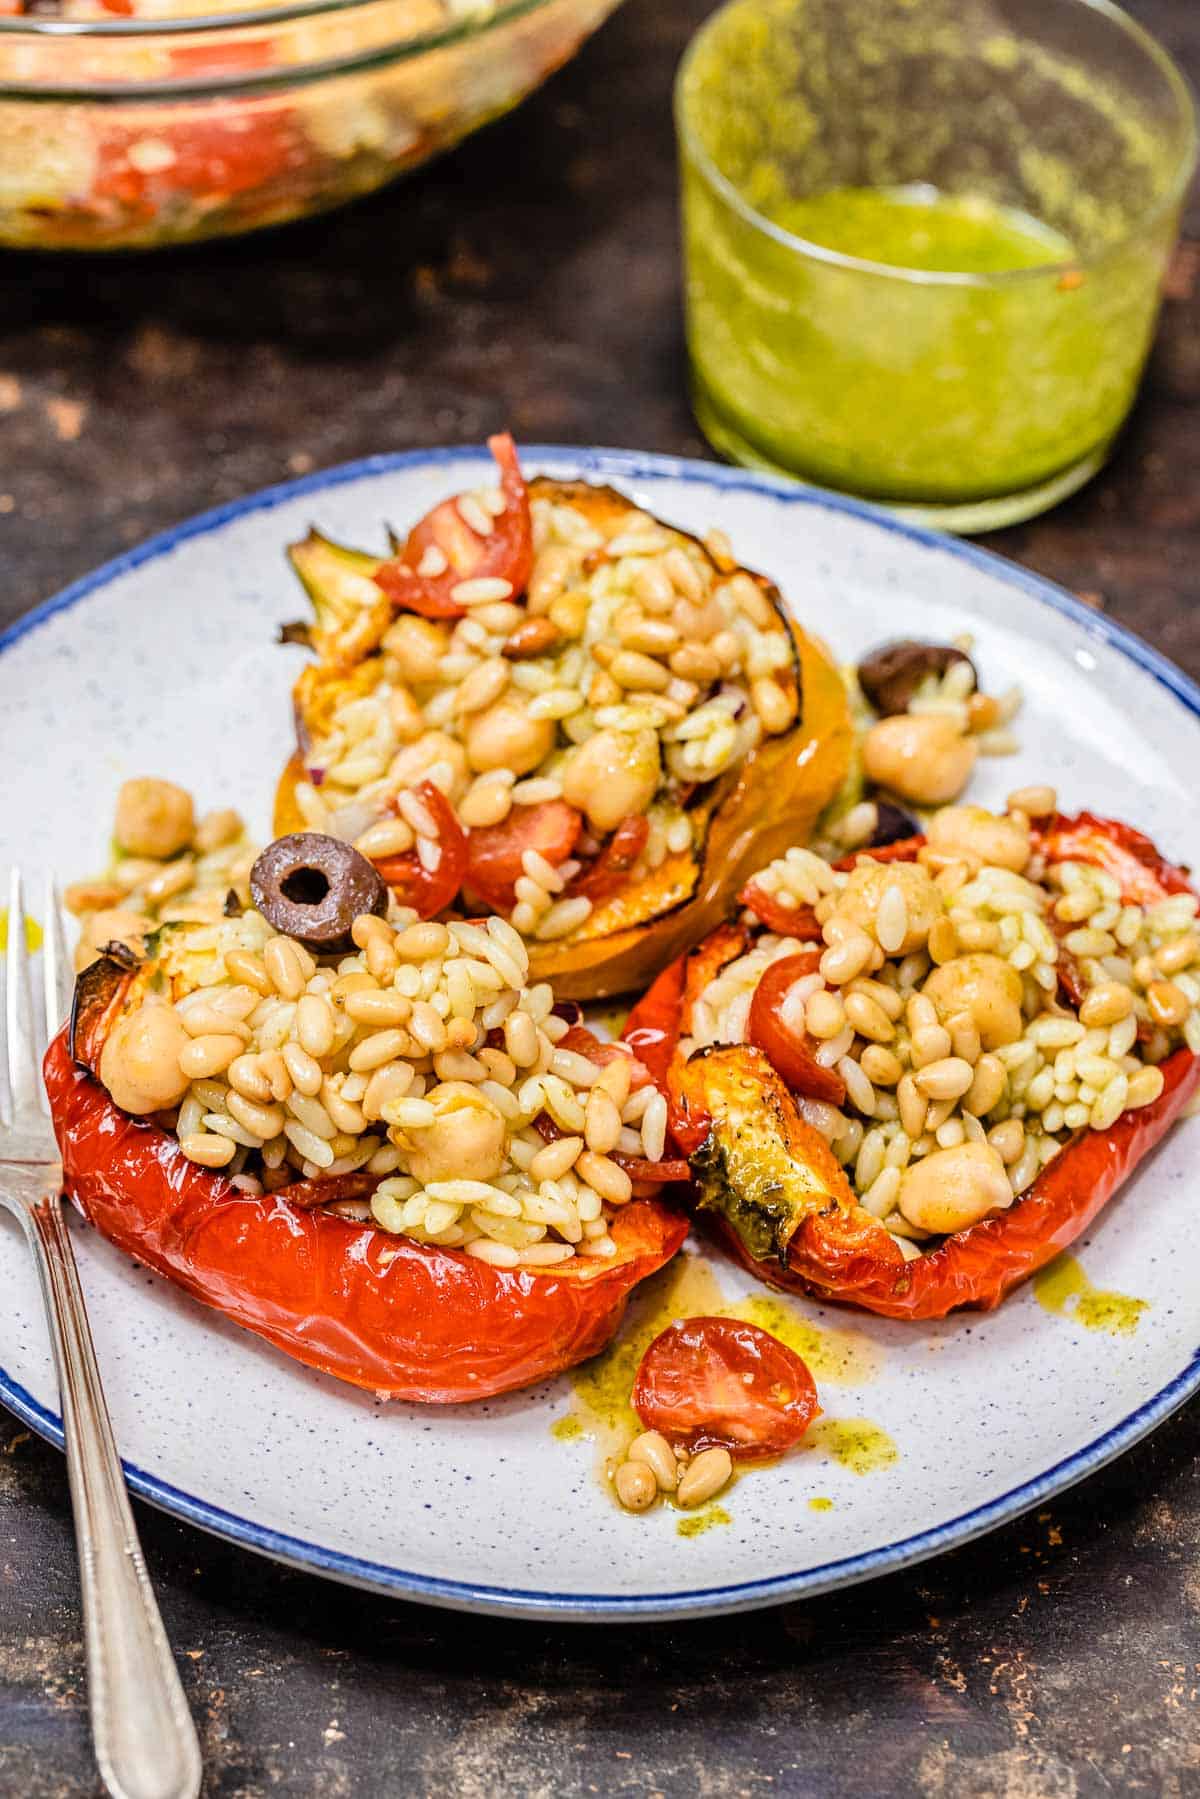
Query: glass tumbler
point(961, 398)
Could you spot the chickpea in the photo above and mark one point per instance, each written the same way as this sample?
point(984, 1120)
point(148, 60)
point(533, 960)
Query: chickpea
point(112, 924)
point(139, 1063)
point(985, 987)
point(418, 646)
point(154, 818)
point(979, 837)
point(924, 758)
point(612, 776)
point(504, 736)
point(410, 765)
point(858, 902)
point(950, 1189)
point(466, 1141)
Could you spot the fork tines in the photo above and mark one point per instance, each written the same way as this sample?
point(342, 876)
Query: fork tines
point(28, 1030)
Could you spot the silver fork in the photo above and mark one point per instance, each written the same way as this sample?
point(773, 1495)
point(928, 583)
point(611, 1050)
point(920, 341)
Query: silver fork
point(145, 1740)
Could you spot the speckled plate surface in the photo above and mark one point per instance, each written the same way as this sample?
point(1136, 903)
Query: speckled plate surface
point(164, 662)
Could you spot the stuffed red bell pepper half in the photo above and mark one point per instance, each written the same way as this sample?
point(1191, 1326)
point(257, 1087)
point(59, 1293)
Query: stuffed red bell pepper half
point(321, 1116)
point(908, 1080)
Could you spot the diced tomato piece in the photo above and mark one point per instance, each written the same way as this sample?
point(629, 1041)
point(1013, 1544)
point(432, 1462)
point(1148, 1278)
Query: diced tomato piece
point(505, 554)
point(495, 852)
point(430, 891)
point(789, 921)
point(709, 1383)
point(790, 1052)
point(609, 872)
point(641, 1169)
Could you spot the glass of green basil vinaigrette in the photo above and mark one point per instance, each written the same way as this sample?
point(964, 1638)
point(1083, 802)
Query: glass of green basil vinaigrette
point(924, 241)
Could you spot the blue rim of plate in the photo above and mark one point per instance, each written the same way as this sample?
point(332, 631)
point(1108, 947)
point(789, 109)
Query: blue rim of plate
point(630, 465)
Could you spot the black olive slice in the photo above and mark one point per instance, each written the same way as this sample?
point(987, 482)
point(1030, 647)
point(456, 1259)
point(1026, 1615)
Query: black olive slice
point(890, 675)
point(892, 825)
point(313, 887)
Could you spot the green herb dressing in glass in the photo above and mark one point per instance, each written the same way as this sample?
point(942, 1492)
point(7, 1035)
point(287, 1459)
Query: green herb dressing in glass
point(966, 316)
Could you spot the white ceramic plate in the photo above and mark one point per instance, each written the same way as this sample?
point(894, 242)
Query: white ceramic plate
point(164, 662)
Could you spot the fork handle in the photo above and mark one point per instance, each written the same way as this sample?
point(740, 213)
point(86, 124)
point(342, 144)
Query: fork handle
point(145, 1740)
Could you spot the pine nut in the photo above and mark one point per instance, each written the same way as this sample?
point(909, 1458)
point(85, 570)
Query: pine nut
point(930, 1043)
point(704, 1476)
point(948, 1078)
point(964, 1036)
point(913, 1108)
point(487, 802)
point(244, 966)
point(869, 1018)
point(483, 686)
point(282, 960)
point(552, 1162)
point(209, 1150)
point(629, 668)
point(1168, 1003)
point(421, 942)
point(1008, 1140)
point(1035, 802)
point(1145, 1087)
point(695, 662)
point(880, 1066)
point(825, 1015)
point(265, 1121)
point(987, 1086)
point(602, 1125)
point(390, 1082)
point(847, 958)
point(774, 704)
point(315, 1024)
point(370, 1006)
point(246, 1075)
point(614, 1079)
point(520, 1038)
point(306, 1074)
point(374, 1051)
point(652, 1448)
point(1178, 954)
point(636, 1486)
point(208, 1055)
point(604, 1177)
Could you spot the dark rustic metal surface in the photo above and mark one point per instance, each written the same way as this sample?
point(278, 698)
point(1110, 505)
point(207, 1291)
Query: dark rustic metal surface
point(531, 279)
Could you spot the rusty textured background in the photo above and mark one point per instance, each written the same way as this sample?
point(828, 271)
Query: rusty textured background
point(531, 279)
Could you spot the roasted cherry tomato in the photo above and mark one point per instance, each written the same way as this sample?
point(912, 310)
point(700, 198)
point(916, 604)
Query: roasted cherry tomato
point(710, 1383)
point(608, 873)
point(788, 1047)
point(505, 554)
point(495, 852)
point(430, 890)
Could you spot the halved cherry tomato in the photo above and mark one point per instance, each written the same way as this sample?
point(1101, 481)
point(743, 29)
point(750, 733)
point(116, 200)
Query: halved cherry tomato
point(506, 553)
point(607, 874)
point(495, 852)
point(430, 890)
point(789, 921)
point(790, 1051)
point(709, 1383)
point(1128, 855)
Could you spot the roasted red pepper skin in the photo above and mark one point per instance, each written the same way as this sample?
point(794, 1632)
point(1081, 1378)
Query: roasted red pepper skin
point(382, 1312)
point(845, 1254)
